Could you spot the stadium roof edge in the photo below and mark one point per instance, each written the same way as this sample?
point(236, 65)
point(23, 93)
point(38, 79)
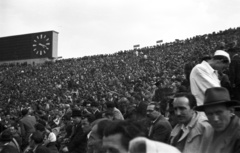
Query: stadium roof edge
point(30, 33)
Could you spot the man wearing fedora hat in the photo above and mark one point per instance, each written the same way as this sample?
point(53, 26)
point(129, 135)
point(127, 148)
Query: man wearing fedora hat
point(205, 75)
point(219, 109)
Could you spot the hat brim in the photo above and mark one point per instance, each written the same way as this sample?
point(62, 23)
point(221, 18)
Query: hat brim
point(229, 103)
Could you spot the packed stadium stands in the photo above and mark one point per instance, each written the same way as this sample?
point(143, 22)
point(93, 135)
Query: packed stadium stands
point(131, 74)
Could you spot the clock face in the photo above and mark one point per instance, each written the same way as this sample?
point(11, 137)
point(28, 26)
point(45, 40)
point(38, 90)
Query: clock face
point(41, 44)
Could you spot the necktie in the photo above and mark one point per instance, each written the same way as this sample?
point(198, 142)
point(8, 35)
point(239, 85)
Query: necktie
point(150, 129)
point(178, 136)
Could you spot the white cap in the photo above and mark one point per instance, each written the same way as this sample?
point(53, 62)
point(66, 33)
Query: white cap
point(151, 146)
point(222, 53)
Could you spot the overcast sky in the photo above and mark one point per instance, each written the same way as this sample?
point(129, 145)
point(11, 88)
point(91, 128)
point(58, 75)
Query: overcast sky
point(90, 27)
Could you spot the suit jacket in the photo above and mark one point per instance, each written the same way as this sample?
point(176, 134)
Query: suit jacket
point(78, 141)
point(27, 125)
point(160, 130)
point(196, 137)
point(234, 70)
point(52, 147)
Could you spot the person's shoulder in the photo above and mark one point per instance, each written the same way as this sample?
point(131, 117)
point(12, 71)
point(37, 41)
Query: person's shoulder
point(200, 66)
point(162, 121)
point(200, 69)
point(41, 149)
point(204, 125)
point(202, 119)
point(117, 111)
point(161, 118)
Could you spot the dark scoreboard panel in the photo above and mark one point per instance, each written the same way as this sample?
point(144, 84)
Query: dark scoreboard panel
point(28, 46)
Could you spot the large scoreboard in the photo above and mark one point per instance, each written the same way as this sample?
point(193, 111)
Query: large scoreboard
point(29, 46)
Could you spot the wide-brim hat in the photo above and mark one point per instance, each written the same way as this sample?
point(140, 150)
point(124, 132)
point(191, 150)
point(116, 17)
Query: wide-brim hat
point(76, 113)
point(217, 96)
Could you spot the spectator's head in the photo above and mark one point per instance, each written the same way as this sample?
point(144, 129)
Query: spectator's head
point(25, 112)
point(94, 105)
point(88, 104)
point(183, 105)
point(86, 122)
point(153, 110)
point(6, 136)
point(118, 135)
point(158, 83)
point(218, 107)
point(40, 127)
point(36, 138)
point(8, 116)
point(110, 106)
point(220, 60)
point(76, 116)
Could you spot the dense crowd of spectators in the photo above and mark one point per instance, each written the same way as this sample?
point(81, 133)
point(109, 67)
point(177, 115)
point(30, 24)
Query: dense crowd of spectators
point(130, 79)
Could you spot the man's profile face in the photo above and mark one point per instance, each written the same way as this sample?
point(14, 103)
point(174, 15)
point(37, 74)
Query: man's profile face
point(221, 65)
point(182, 110)
point(85, 125)
point(113, 144)
point(76, 119)
point(219, 117)
point(151, 112)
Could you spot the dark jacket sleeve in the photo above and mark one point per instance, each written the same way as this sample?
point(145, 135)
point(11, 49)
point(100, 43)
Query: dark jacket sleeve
point(162, 132)
point(78, 143)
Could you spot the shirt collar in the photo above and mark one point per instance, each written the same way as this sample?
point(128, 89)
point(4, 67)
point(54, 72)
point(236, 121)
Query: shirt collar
point(190, 124)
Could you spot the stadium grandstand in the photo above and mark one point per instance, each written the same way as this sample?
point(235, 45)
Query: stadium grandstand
point(126, 78)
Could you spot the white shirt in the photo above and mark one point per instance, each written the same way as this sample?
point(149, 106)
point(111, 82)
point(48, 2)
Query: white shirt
point(52, 137)
point(202, 77)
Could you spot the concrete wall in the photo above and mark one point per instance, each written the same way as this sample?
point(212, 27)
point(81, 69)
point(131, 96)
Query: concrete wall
point(29, 61)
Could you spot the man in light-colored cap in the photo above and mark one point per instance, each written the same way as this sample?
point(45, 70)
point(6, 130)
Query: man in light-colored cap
point(205, 74)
